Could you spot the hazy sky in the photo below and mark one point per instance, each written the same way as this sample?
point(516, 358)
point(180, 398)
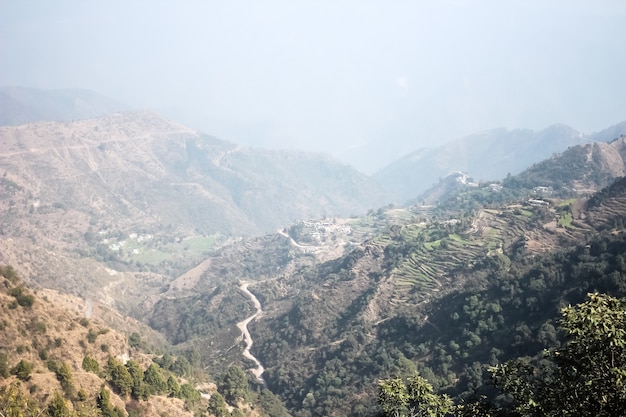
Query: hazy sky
point(332, 75)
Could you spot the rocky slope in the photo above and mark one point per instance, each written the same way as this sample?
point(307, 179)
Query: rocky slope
point(45, 339)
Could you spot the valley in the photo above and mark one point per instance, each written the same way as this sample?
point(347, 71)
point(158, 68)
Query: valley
point(286, 280)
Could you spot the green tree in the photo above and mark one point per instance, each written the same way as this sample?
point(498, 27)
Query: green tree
point(181, 367)
point(90, 364)
point(217, 405)
point(233, 384)
point(22, 297)
point(189, 394)
point(411, 397)
point(139, 390)
point(103, 401)
point(585, 378)
point(134, 340)
point(165, 362)
point(5, 371)
point(154, 379)
point(64, 375)
point(58, 407)
point(173, 388)
point(237, 413)
point(118, 377)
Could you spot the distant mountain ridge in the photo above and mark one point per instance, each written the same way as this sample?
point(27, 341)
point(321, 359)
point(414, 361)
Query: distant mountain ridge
point(146, 161)
point(20, 105)
point(485, 156)
point(74, 191)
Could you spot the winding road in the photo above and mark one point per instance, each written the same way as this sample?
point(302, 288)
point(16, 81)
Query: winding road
point(243, 326)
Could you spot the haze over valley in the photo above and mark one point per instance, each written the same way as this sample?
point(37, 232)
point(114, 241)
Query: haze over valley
point(276, 209)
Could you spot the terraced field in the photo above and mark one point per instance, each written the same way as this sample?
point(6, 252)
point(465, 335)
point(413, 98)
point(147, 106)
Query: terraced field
point(438, 255)
point(432, 264)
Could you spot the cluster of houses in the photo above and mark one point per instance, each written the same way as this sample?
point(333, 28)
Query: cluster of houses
point(325, 228)
point(119, 245)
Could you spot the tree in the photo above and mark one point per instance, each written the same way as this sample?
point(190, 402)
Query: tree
point(134, 340)
point(139, 390)
point(64, 375)
point(119, 377)
point(173, 388)
point(5, 371)
point(153, 377)
point(585, 378)
point(103, 401)
point(233, 384)
point(237, 413)
point(217, 405)
point(90, 364)
point(412, 397)
point(58, 407)
point(189, 394)
point(181, 367)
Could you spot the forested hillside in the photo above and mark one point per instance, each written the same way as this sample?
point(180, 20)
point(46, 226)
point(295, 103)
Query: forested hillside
point(447, 290)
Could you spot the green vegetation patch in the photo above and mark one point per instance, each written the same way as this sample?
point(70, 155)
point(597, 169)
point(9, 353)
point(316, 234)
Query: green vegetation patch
point(566, 220)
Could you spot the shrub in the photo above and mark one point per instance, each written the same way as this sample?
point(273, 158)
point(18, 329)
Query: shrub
point(22, 370)
point(4, 365)
point(90, 365)
point(21, 297)
point(91, 336)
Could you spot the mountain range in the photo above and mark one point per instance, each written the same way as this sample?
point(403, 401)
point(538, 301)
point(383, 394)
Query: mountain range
point(139, 215)
point(22, 105)
point(486, 156)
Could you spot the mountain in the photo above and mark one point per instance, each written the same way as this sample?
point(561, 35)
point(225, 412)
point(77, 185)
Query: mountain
point(20, 105)
point(448, 289)
point(129, 194)
point(486, 156)
point(52, 354)
point(215, 246)
point(60, 357)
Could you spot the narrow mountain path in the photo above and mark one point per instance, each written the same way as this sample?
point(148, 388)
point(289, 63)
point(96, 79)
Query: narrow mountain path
point(247, 338)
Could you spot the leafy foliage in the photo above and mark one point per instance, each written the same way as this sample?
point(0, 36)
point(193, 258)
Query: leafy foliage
point(217, 405)
point(22, 370)
point(413, 397)
point(585, 378)
point(233, 384)
point(119, 377)
point(90, 364)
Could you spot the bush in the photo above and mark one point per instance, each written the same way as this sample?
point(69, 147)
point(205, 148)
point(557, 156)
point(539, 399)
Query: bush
point(134, 340)
point(21, 297)
point(4, 366)
point(22, 370)
point(92, 336)
point(90, 365)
